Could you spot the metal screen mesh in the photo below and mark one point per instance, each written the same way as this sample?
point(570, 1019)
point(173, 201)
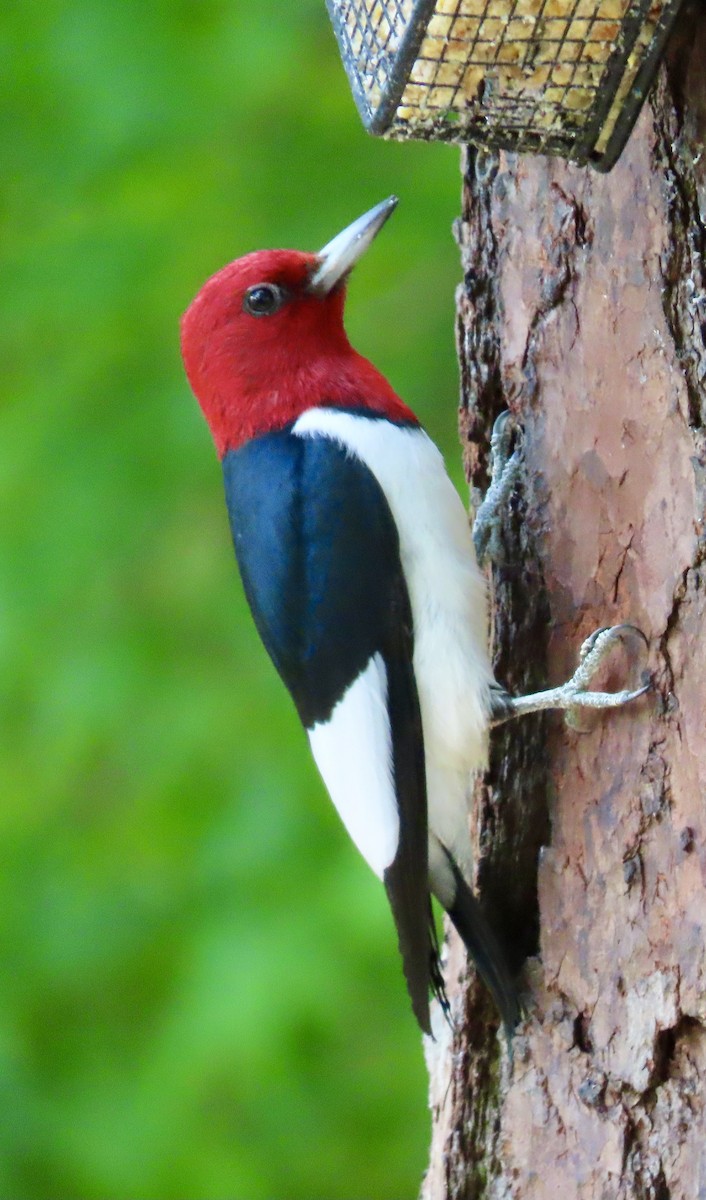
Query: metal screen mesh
point(554, 76)
point(375, 30)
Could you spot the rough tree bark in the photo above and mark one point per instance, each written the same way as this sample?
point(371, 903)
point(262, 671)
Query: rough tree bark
point(584, 311)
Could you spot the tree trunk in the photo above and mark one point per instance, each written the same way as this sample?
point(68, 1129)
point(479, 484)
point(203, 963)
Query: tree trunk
point(584, 311)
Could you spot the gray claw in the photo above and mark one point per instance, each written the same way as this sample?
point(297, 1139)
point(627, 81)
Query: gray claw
point(500, 424)
point(504, 468)
point(574, 693)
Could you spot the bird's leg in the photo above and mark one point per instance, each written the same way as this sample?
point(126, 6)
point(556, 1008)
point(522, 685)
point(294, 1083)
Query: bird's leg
point(505, 469)
point(574, 693)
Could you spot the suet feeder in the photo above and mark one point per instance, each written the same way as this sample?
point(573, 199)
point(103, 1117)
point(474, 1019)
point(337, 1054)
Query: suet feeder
point(564, 77)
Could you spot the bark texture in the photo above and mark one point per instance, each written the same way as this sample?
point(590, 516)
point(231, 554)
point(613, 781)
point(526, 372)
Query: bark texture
point(583, 310)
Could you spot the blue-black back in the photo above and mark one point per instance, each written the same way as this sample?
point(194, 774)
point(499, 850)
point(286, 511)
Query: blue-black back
point(318, 553)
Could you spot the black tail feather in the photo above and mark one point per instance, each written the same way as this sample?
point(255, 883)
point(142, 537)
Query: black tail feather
point(436, 974)
point(485, 950)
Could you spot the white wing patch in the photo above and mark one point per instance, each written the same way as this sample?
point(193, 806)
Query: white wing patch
point(353, 751)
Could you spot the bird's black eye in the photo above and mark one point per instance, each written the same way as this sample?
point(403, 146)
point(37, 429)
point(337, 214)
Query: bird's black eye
point(263, 299)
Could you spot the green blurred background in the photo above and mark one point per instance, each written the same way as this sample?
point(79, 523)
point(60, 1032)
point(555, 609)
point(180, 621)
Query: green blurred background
point(200, 996)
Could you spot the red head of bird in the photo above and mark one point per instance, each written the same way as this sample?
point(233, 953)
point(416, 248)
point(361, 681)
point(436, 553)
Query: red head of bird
point(264, 340)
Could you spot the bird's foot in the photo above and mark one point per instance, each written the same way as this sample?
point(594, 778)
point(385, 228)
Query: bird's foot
point(574, 694)
point(504, 470)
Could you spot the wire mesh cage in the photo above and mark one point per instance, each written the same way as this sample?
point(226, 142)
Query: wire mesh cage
point(561, 77)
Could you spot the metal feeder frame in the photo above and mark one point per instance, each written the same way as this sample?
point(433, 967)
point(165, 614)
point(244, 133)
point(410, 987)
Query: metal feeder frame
point(492, 119)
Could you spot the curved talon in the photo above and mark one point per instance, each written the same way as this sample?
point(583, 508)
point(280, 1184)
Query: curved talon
point(499, 425)
point(627, 627)
point(504, 426)
point(583, 699)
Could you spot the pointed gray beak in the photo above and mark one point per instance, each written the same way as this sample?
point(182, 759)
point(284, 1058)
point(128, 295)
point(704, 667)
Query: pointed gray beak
point(343, 252)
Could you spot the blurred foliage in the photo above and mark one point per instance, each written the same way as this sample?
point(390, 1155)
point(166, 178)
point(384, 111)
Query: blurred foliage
point(201, 996)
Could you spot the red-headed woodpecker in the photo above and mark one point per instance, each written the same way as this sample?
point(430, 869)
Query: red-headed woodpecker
point(358, 564)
